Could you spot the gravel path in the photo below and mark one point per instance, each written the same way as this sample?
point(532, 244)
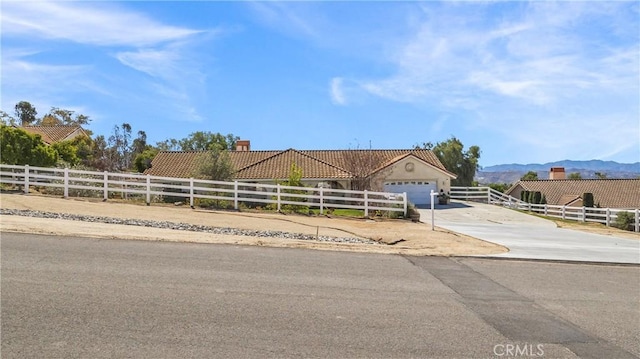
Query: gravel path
point(183, 226)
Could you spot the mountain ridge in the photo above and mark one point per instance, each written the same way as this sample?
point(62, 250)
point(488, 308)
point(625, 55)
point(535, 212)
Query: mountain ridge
point(592, 165)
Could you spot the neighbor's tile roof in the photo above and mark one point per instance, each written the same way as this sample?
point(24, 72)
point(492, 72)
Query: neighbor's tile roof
point(52, 134)
point(608, 193)
point(319, 164)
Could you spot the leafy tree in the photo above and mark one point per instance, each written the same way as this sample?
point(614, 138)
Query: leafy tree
point(7, 119)
point(500, 187)
point(58, 116)
point(452, 155)
point(168, 145)
point(143, 160)
point(120, 147)
point(575, 176)
point(67, 152)
point(204, 141)
point(25, 113)
point(17, 147)
point(600, 175)
point(530, 176)
point(294, 180)
point(214, 164)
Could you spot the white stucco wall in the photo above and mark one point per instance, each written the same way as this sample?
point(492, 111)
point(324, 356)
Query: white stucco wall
point(413, 169)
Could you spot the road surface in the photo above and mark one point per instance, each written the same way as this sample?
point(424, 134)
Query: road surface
point(90, 298)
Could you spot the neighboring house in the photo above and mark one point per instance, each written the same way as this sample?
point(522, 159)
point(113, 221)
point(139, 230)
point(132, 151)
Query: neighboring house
point(416, 172)
point(607, 193)
point(56, 133)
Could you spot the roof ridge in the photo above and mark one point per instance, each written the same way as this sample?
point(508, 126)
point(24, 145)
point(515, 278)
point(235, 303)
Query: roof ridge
point(260, 161)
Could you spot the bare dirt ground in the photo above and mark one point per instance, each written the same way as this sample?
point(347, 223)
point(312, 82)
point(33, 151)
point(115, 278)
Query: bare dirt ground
point(409, 238)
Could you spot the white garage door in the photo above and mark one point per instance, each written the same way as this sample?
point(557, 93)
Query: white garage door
point(418, 192)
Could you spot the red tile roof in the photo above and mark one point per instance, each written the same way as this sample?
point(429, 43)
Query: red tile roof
point(269, 165)
point(608, 193)
point(53, 134)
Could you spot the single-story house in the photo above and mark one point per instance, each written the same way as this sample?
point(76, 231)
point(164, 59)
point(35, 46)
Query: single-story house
point(415, 171)
point(607, 193)
point(56, 133)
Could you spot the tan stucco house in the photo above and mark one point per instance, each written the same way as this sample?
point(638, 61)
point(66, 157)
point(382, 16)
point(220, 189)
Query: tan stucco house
point(415, 171)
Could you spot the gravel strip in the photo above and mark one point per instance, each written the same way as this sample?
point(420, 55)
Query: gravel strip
point(183, 226)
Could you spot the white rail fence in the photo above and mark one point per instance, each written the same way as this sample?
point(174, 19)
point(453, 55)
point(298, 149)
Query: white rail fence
point(109, 184)
point(606, 216)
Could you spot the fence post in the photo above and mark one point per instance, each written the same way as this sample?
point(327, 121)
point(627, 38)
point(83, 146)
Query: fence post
point(366, 203)
point(584, 214)
point(148, 190)
point(488, 195)
point(546, 209)
point(105, 190)
point(66, 182)
point(235, 195)
point(563, 212)
point(637, 229)
point(607, 219)
point(191, 192)
point(278, 195)
point(321, 200)
point(26, 179)
point(405, 203)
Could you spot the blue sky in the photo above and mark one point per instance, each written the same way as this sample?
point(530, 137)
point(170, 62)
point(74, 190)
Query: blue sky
point(526, 81)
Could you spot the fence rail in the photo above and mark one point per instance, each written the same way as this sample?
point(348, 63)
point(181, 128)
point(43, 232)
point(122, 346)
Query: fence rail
point(107, 184)
point(606, 216)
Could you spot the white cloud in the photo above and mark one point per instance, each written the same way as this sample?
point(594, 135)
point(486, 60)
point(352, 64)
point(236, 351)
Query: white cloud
point(337, 95)
point(87, 23)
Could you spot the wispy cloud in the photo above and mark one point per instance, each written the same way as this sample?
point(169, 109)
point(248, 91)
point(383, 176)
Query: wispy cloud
point(86, 22)
point(166, 54)
point(337, 95)
point(542, 67)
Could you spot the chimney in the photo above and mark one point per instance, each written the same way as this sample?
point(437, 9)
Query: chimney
point(243, 145)
point(557, 173)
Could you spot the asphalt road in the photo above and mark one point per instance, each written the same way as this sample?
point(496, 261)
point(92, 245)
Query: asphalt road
point(531, 237)
point(89, 298)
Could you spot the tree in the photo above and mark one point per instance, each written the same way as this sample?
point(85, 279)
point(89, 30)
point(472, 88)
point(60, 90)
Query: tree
point(361, 164)
point(143, 160)
point(214, 164)
point(120, 144)
point(7, 119)
point(587, 199)
point(204, 141)
point(25, 113)
point(59, 116)
point(452, 155)
point(529, 176)
point(17, 147)
point(500, 187)
point(600, 175)
point(575, 176)
point(67, 152)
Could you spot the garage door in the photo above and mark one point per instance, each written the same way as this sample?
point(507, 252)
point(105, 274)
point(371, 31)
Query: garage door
point(418, 192)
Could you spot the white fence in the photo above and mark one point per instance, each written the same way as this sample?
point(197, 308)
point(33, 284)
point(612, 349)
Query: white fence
point(606, 216)
point(106, 184)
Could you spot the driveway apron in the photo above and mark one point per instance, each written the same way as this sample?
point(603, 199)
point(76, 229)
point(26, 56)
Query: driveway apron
point(531, 237)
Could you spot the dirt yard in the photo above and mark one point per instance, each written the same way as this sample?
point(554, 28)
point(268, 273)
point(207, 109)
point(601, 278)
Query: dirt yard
point(409, 238)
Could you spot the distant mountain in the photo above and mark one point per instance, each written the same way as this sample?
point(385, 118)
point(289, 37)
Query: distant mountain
point(511, 173)
point(593, 165)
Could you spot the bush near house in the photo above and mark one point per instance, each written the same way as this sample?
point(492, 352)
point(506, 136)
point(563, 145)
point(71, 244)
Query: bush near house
point(625, 220)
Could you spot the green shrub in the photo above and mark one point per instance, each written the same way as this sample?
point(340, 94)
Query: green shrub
point(624, 220)
point(587, 199)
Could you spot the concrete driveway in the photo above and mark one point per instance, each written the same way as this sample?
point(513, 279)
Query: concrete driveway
point(530, 237)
